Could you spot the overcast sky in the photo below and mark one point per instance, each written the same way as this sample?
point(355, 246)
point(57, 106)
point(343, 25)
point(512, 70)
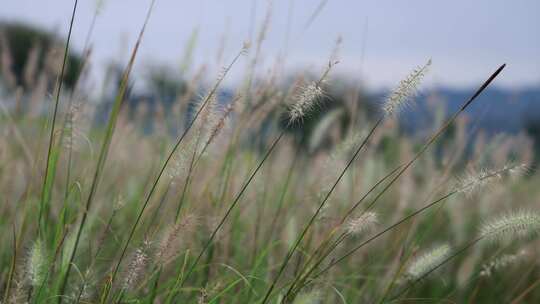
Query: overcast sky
point(382, 39)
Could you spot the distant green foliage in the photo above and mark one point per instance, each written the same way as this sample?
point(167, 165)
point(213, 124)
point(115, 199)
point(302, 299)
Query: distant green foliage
point(19, 39)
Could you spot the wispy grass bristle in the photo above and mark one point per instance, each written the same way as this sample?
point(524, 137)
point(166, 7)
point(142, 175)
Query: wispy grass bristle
point(407, 89)
point(512, 225)
point(501, 262)
point(37, 264)
point(168, 248)
point(137, 266)
point(427, 261)
point(476, 181)
point(306, 101)
point(363, 223)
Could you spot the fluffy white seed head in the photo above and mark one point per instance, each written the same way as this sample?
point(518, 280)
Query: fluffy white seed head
point(427, 261)
point(309, 97)
point(219, 123)
point(519, 224)
point(307, 100)
point(475, 181)
point(37, 264)
point(309, 297)
point(137, 266)
point(405, 91)
point(501, 262)
point(363, 223)
point(169, 247)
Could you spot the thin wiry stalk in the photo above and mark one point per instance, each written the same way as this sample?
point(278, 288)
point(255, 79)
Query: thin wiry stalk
point(465, 185)
point(443, 179)
point(405, 259)
point(312, 219)
point(229, 210)
point(303, 101)
point(186, 183)
point(422, 150)
point(446, 260)
point(69, 119)
point(333, 263)
point(457, 190)
point(391, 227)
point(469, 184)
point(154, 215)
point(50, 269)
point(477, 276)
point(105, 149)
point(168, 159)
point(435, 136)
point(217, 129)
point(416, 77)
point(342, 236)
point(46, 180)
point(280, 203)
point(521, 296)
point(282, 197)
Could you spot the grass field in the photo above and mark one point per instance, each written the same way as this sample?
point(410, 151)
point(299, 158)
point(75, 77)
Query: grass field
point(230, 202)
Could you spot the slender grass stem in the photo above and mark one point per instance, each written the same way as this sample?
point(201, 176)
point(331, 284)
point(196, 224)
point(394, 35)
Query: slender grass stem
point(281, 200)
point(321, 205)
point(340, 238)
point(45, 192)
point(452, 256)
point(422, 150)
point(104, 150)
point(344, 235)
point(231, 207)
point(389, 228)
point(167, 160)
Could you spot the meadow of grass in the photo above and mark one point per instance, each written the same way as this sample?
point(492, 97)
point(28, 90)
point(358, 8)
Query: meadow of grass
point(228, 202)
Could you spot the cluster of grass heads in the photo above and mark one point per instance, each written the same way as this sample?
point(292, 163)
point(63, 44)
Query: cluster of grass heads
point(233, 210)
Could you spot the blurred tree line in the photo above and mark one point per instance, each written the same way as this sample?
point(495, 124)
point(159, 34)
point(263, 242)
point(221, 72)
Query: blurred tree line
point(27, 53)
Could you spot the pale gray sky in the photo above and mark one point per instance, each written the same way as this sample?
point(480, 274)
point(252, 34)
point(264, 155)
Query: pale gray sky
point(466, 39)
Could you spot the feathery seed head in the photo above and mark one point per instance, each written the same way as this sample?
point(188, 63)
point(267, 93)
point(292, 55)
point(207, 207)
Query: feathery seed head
point(473, 182)
point(426, 262)
point(363, 223)
point(516, 170)
point(504, 261)
point(181, 162)
point(306, 101)
point(37, 264)
point(119, 203)
point(518, 224)
point(309, 96)
point(478, 180)
point(310, 297)
point(406, 89)
point(137, 266)
point(169, 244)
point(73, 135)
point(220, 122)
